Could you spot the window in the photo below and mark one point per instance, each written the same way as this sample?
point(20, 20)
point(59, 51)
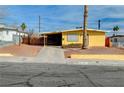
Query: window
point(72, 37)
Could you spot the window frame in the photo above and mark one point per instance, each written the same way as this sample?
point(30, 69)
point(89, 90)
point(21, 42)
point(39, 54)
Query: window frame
point(72, 34)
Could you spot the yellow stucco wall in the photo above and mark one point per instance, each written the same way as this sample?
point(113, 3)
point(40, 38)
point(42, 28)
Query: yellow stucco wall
point(96, 38)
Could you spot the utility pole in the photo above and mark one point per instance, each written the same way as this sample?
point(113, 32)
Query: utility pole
point(40, 29)
point(99, 24)
point(85, 40)
point(39, 23)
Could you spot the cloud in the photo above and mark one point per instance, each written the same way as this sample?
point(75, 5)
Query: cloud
point(3, 12)
point(65, 16)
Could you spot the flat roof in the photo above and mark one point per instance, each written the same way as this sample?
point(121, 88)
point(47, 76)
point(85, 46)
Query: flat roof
point(117, 36)
point(55, 32)
point(82, 29)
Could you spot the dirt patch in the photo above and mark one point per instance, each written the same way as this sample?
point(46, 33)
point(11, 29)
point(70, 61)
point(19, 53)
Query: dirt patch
point(23, 50)
point(94, 50)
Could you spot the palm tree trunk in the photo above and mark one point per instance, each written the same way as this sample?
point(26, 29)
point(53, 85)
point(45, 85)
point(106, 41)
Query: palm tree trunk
point(85, 42)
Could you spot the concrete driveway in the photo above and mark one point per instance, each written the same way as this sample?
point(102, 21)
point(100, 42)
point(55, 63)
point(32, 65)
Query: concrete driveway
point(51, 54)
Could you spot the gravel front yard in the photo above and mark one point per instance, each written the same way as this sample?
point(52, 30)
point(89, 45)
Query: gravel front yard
point(23, 50)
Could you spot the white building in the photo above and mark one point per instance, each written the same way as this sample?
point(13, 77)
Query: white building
point(117, 41)
point(9, 34)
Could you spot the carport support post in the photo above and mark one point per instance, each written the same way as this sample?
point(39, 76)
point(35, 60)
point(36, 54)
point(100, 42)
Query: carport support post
point(44, 41)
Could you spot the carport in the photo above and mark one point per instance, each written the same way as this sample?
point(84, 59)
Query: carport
point(54, 39)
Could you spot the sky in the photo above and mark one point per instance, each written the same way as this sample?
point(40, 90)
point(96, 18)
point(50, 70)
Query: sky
point(62, 17)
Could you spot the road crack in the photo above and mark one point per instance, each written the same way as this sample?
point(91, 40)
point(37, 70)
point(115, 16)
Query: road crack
point(87, 77)
point(12, 84)
point(28, 83)
point(66, 84)
point(4, 66)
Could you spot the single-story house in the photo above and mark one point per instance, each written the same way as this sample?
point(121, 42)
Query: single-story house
point(117, 41)
point(10, 34)
point(75, 38)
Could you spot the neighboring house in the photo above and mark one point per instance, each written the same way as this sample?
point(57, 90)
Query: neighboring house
point(117, 41)
point(10, 35)
point(96, 38)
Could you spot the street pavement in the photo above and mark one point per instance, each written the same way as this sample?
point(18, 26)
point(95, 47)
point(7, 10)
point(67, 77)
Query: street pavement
point(50, 69)
point(60, 75)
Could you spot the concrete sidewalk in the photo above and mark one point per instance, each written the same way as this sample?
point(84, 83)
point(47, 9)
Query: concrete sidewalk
point(95, 62)
point(50, 54)
point(17, 59)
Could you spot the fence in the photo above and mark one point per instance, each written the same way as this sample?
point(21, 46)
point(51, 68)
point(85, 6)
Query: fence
point(33, 40)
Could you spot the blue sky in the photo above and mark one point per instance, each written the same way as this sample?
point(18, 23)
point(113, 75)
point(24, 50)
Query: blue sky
point(58, 17)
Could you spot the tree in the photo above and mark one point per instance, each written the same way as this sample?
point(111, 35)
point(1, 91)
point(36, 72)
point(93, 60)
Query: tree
point(85, 40)
point(115, 29)
point(23, 26)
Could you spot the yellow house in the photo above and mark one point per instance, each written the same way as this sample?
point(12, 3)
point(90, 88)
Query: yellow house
point(74, 38)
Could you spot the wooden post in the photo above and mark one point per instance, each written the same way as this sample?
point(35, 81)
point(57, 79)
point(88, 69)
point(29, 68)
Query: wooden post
point(44, 41)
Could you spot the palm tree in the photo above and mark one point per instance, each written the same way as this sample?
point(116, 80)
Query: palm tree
point(85, 40)
point(115, 29)
point(23, 27)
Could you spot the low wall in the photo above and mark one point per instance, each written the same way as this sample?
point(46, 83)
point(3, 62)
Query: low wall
point(98, 56)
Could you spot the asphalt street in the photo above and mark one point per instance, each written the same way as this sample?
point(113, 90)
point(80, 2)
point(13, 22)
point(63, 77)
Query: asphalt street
point(60, 75)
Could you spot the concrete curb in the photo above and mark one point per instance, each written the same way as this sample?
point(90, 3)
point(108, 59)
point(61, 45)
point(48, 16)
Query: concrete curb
point(95, 62)
point(68, 61)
